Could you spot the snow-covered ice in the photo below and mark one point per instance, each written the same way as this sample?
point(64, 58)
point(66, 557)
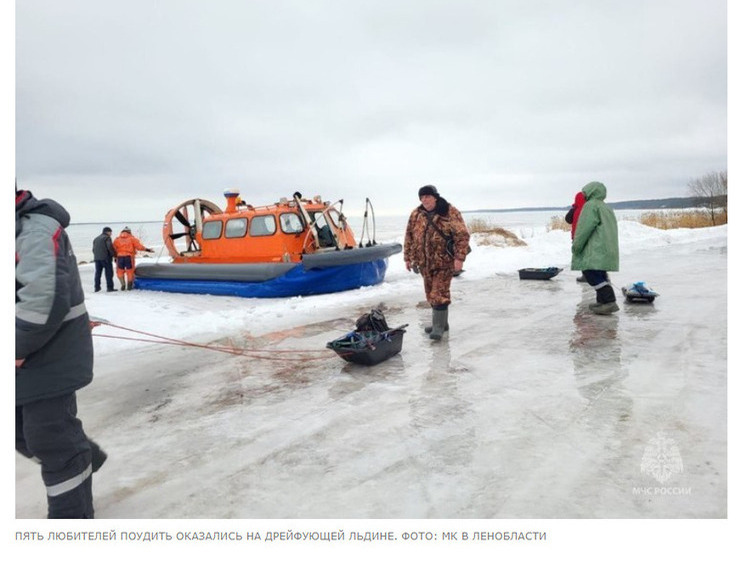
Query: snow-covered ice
point(531, 407)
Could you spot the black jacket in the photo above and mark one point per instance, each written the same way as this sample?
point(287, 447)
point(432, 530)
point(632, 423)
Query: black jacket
point(103, 250)
point(53, 333)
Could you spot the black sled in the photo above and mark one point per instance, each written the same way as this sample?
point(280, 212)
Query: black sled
point(371, 342)
point(539, 273)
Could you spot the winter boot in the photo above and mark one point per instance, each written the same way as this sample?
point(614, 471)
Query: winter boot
point(440, 321)
point(606, 302)
point(581, 278)
point(429, 329)
point(606, 308)
point(129, 285)
point(98, 456)
point(122, 282)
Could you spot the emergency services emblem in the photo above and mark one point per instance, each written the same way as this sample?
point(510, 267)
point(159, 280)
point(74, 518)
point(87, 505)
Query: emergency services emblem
point(661, 459)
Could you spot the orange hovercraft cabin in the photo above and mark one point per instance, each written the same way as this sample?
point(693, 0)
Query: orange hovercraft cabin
point(293, 247)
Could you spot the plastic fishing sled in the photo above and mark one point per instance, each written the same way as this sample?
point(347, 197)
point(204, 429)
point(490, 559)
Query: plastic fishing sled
point(638, 292)
point(543, 273)
point(371, 342)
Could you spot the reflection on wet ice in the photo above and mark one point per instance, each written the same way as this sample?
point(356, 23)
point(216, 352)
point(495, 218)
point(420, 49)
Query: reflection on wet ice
point(600, 375)
point(441, 416)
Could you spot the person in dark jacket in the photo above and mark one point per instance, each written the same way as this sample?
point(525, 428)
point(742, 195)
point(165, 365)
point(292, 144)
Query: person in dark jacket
point(54, 357)
point(103, 254)
point(595, 247)
point(436, 245)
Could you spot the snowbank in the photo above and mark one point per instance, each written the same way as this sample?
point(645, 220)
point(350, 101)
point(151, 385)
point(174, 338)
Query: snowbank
point(206, 318)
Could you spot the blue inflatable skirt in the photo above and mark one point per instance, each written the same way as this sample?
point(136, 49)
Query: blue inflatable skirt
point(296, 282)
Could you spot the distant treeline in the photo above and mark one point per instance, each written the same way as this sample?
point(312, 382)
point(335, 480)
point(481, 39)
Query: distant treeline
point(669, 203)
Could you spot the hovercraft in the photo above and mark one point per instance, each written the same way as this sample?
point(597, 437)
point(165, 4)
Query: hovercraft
point(294, 247)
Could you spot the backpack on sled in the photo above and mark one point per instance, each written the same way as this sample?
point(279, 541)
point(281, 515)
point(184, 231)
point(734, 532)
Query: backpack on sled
point(371, 342)
point(639, 292)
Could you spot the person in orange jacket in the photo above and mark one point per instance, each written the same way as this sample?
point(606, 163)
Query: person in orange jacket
point(126, 246)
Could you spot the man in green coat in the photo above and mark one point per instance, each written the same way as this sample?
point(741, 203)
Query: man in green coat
point(595, 247)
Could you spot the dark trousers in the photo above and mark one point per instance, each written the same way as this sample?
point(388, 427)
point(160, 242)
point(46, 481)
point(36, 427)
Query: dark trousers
point(50, 432)
point(106, 267)
point(600, 280)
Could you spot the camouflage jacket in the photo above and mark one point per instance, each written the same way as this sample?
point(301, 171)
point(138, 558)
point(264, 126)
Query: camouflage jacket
point(425, 247)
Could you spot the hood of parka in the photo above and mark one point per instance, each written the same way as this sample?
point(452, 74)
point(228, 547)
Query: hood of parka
point(595, 190)
point(27, 204)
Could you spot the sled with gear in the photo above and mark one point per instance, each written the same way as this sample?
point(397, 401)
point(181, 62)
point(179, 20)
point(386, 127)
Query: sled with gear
point(639, 292)
point(542, 273)
point(371, 342)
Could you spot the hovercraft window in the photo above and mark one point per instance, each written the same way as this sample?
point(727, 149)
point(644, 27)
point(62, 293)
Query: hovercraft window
point(263, 226)
point(212, 230)
point(290, 223)
point(236, 228)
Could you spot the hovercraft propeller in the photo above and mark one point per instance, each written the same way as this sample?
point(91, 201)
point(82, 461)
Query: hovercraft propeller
point(199, 210)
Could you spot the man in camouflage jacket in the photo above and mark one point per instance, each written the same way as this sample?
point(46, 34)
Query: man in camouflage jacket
point(436, 245)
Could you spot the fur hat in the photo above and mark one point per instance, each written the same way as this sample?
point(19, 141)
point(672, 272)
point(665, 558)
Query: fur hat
point(428, 190)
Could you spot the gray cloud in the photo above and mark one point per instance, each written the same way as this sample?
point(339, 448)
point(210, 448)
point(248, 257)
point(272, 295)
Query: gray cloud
point(125, 109)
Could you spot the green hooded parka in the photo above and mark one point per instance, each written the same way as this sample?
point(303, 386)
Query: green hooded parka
point(595, 245)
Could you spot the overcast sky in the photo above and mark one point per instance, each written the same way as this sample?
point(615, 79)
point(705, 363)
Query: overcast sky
point(124, 109)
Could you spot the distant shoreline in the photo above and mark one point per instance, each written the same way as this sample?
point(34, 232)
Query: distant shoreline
point(115, 222)
point(669, 203)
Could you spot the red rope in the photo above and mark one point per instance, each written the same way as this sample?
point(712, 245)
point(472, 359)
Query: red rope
point(257, 353)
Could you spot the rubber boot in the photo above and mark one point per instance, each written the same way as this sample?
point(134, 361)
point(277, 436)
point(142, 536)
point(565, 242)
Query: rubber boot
point(122, 282)
point(129, 285)
point(440, 321)
point(606, 302)
point(98, 456)
point(429, 329)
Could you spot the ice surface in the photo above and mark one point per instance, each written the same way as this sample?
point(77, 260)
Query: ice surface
point(531, 407)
